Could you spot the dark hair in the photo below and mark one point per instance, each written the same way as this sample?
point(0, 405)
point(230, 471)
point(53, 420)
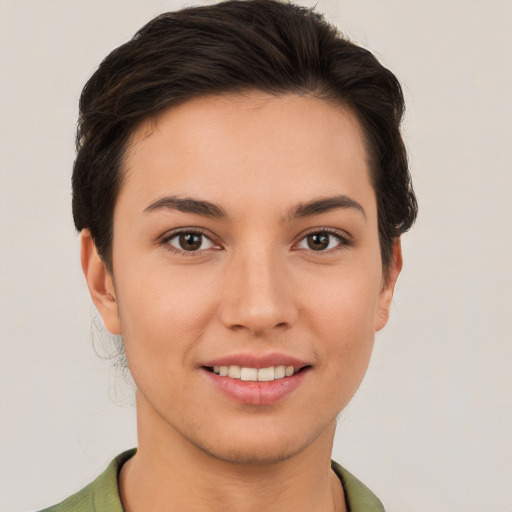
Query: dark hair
point(230, 47)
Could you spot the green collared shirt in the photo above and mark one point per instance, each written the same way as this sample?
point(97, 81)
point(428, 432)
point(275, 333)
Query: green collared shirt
point(102, 495)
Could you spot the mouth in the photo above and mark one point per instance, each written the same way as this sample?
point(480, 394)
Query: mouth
point(256, 386)
point(249, 374)
point(256, 379)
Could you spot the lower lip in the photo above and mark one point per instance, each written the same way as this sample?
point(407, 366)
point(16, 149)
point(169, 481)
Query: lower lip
point(257, 393)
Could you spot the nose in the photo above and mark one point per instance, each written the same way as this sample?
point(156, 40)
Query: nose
point(258, 293)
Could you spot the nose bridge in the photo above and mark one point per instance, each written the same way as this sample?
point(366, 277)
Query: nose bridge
point(257, 295)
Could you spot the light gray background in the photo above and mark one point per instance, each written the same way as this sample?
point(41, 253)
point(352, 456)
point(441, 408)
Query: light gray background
point(430, 428)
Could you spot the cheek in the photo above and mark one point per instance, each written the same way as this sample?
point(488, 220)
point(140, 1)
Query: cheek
point(163, 313)
point(346, 299)
point(343, 318)
point(347, 327)
point(347, 340)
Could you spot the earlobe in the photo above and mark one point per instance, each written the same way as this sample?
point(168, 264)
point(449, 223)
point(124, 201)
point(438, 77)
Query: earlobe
point(388, 287)
point(100, 283)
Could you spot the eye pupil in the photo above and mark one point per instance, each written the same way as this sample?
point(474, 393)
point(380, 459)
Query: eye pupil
point(190, 241)
point(318, 241)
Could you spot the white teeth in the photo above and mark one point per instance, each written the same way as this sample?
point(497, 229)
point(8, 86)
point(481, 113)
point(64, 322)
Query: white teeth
point(249, 374)
point(266, 374)
point(254, 374)
point(279, 372)
point(234, 372)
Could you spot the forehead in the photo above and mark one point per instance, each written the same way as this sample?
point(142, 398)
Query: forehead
point(251, 147)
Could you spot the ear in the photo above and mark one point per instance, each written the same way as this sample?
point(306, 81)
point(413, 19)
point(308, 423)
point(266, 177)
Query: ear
point(388, 286)
point(100, 283)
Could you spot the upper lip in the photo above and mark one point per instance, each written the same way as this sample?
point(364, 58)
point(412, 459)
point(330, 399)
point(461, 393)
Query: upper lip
point(256, 360)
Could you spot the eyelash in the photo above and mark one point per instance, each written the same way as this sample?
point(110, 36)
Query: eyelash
point(343, 240)
point(192, 231)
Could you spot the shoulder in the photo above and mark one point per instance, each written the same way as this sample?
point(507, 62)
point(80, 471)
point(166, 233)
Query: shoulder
point(101, 495)
point(82, 500)
point(358, 497)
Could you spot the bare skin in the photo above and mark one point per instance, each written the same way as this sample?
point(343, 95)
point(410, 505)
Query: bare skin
point(202, 484)
point(245, 231)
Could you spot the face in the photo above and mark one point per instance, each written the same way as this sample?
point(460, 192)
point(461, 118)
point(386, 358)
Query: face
point(247, 278)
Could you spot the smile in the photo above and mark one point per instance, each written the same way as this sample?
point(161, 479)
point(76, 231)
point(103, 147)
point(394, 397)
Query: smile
point(254, 374)
point(256, 386)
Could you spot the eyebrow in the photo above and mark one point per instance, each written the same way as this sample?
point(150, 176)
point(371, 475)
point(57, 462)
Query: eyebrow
point(318, 206)
point(207, 209)
point(187, 205)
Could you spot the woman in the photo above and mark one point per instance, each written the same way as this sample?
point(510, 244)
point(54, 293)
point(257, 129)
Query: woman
point(240, 186)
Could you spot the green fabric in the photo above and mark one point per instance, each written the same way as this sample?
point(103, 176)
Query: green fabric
point(102, 495)
point(358, 497)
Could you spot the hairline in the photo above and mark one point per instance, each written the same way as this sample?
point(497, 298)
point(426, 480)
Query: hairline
point(325, 94)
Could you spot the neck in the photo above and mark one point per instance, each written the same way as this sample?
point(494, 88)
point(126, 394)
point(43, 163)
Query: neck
point(170, 473)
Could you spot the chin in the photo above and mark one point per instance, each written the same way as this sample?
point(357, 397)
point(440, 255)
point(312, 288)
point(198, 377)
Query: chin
point(252, 454)
point(264, 446)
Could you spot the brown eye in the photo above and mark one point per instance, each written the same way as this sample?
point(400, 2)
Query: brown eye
point(190, 241)
point(318, 241)
point(322, 241)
